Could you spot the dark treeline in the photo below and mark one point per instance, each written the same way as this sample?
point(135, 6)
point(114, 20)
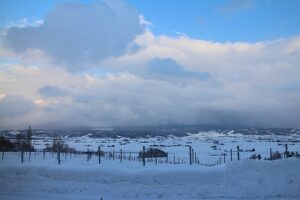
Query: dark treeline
point(22, 142)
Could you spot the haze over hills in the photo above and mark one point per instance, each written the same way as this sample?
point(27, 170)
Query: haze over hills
point(151, 131)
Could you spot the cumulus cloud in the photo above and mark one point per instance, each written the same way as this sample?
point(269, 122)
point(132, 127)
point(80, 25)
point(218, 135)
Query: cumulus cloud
point(78, 35)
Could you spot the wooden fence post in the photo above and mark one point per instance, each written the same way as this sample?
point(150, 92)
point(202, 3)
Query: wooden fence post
point(286, 151)
point(231, 155)
point(44, 153)
point(238, 152)
point(22, 156)
point(2, 155)
point(29, 155)
point(58, 157)
point(192, 155)
point(190, 150)
point(87, 155)
point(143, 156)
point(121, 155)
point(224, 157)
point(271, 157)
point(99, 151)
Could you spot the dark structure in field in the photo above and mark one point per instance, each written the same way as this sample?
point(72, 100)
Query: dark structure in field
point(153, 153)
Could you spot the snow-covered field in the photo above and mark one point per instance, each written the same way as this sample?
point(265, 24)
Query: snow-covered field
point(77, 178)
point(247, 179)
point(207, 145)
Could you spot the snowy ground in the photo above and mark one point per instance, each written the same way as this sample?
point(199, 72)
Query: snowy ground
point(247, 179)
point(77, 178)
point(207, 145)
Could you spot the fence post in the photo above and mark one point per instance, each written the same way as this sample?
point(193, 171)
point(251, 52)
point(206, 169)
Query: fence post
point(224, 157)
point(121, 155)
point(174, 158)
point(144, 154)
point(190, 149)
point(2, 155)
point(193, 159)
point(58, 157)
point(271, 157)
point(44, 153)
point(238, 152)
point(286, 151)
point(231, 155)
point(87, 155)
point(99, 150)
point(29, 155)
point(22, 156)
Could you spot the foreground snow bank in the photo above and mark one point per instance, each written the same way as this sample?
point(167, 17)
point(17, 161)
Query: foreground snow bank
point(247, 179)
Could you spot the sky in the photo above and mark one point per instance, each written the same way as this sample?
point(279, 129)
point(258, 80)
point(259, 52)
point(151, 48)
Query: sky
point(86, 63)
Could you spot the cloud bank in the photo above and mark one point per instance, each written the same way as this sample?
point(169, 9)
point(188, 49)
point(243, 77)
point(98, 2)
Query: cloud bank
point(126, 75)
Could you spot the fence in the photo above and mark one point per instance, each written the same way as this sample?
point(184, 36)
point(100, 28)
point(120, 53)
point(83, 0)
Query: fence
point(141, 156)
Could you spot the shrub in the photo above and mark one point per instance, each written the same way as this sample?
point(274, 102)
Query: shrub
point(255, 157)
point(59, 145)
point(276, 156)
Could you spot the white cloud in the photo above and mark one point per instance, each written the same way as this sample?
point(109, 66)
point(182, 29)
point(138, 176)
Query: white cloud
point(78, 35)
point(145, 22)
point(229, 62)
point(254, 84)
point(24, 22)
point(127, 99)
point(2, 95)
